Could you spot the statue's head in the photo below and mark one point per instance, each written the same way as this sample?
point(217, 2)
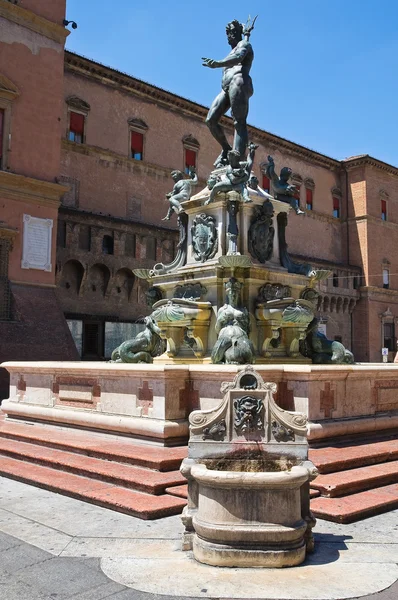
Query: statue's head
point(233, 287)
point(253, 182)
point(234, 158)
point(234, 31)
point(177, 175)
point(286, 173)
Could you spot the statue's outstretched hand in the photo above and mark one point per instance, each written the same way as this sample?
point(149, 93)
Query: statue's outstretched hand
point(209, 62)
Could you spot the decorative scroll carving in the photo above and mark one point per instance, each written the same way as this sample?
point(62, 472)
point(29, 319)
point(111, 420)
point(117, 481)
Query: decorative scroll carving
point(215, 432)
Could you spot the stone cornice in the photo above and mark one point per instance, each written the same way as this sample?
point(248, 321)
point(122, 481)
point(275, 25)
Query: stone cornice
point(77, 215)
point(366, 160)
point(30, 20)
point(27, 189)
point(142, 165)
point(374, 220)
point(85, 67)
point(371, 290)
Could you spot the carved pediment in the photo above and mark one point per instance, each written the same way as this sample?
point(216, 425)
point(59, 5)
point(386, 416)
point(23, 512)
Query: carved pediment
point(77, 103)
point(309, 183)
point(7, 88)
point(336, 192)
point(190, 142)
point(137, 124)
point(384, 195)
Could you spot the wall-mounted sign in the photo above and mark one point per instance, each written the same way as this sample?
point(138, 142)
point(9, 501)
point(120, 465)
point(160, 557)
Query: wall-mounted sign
point(36, 249)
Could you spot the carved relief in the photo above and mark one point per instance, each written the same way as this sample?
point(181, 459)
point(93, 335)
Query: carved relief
point(281, 433)
point(204, 237)
point(273, 291)
point(216, 432)
point(248, 414)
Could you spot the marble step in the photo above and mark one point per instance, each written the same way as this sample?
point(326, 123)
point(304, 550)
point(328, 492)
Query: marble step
point(341, 458)
point(138, 478)
point(96, 445)
point(343, 483)
point(356, 506)
point(131, 502)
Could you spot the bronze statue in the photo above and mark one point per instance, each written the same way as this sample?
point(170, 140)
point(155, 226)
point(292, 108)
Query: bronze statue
point(233, 345)
point(237, 88)
point(182, 191)
point(236, 176)
point(284, 191)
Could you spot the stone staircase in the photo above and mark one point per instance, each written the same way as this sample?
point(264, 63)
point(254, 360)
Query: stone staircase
point(140, 480)
point(357, 479)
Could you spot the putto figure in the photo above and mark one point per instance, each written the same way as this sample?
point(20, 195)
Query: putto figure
point(182, 191)
point(236, 176)
point(237, 88)
point(284, 191)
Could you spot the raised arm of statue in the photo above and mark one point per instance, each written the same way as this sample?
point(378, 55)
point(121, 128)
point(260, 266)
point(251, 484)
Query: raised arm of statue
point(270, 170)
point(234, 58)
point(194, 177)
point(250, 158)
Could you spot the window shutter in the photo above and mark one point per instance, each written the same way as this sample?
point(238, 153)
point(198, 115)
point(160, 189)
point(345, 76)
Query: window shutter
point(1, 131)
point(266, 183)
point(137, 142)
point(308, 196)
point(76, 123)
point(190, 158)
point(336, 204)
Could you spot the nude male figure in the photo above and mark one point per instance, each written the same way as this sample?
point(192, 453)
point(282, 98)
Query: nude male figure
point(237, 88)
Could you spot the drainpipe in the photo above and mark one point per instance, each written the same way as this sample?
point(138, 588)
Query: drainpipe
point(348, 249)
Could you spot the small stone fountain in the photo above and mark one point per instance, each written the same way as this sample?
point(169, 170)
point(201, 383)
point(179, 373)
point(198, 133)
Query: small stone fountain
point(248, 480)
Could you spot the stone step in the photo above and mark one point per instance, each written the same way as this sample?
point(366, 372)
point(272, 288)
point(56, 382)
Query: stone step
point(137, 504)
point(356, 506)
point(138, 478)
point(342, 483)
point(181, 491)
point(97, 445)
point(341, 458)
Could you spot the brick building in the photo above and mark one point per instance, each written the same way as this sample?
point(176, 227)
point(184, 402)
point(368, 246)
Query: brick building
point(103, 144)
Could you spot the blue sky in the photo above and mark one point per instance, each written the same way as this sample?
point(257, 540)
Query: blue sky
point(324, 73)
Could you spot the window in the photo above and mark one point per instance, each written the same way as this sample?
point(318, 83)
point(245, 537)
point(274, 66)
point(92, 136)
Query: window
point(336, 208)
point(85, 237)
point(76, 127)
point(298, 192)
point(335, 280)
point(383, 210)
point(151, 244)
point(190, 159)
point(386, 279)
point(266, 184)
point(129, 246)
point(389, 336)
point(2, 119)
point(107, 244)
point(61, 234)
point(308, 199)
point(137, 145)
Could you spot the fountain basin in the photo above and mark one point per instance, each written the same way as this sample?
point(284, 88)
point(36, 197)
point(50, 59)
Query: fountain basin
point(249, 519)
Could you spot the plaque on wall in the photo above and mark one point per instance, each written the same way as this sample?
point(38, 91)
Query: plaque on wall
point(36, 249)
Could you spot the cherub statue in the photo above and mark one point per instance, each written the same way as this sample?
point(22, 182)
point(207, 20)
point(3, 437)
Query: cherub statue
point(182, 191)
point(253, 186)
point(236, 176)
point(284, 190)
